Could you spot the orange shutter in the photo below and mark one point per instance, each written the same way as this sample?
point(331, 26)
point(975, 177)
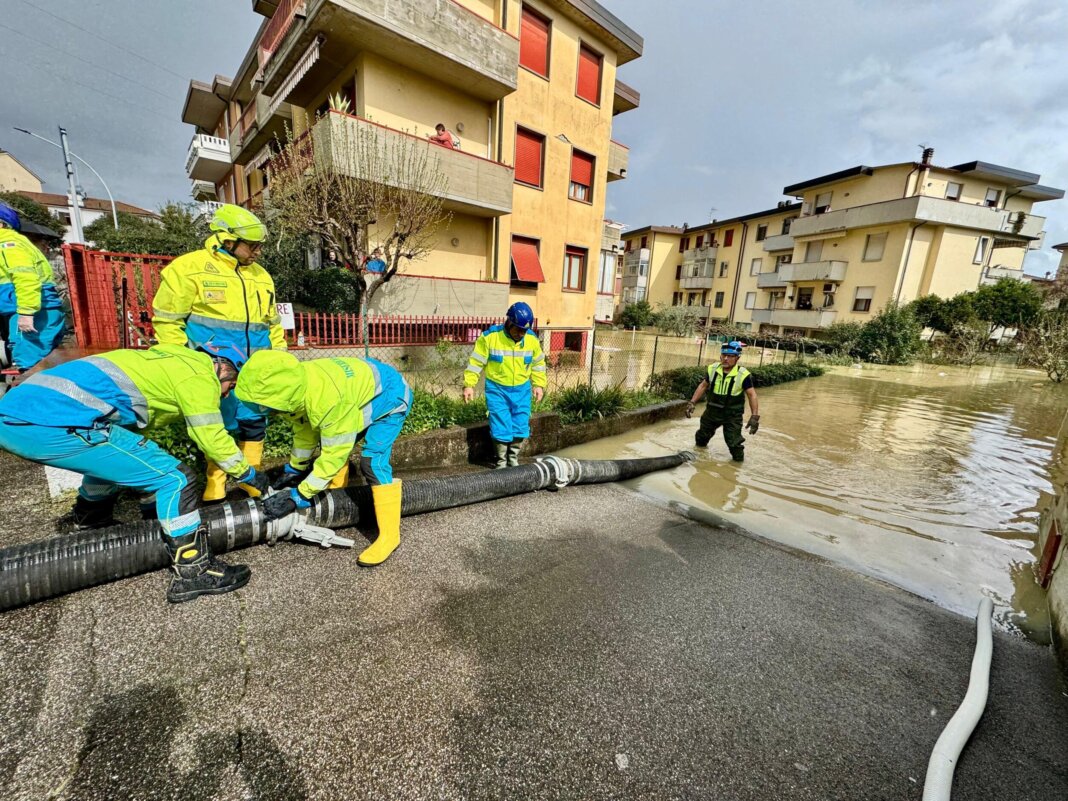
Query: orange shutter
point(581, 168)
point(528, 157)
point(525, 261)
point(534, 42)
point(589, 76)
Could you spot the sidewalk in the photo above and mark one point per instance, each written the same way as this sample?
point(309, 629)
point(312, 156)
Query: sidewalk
point(583, 644)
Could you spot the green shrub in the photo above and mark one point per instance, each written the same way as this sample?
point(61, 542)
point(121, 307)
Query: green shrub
point(891, 337)
point(842, 337)
point(578, 404)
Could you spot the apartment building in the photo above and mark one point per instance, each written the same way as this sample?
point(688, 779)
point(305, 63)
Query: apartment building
point(528, 88)
point(854, 240)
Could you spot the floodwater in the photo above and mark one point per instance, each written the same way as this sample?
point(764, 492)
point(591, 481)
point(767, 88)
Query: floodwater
point(927, 477)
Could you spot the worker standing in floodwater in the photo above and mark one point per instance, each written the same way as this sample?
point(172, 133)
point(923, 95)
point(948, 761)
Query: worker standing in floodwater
point(515, 369)
point(728, 385)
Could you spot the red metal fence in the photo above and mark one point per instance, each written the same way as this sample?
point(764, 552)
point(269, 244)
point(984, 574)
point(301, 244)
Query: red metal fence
point(344, 329)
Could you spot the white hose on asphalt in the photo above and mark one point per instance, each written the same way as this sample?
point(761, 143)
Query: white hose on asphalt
point(939, 782)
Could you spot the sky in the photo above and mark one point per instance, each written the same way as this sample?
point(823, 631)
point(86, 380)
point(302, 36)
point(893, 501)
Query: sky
point(738, 99)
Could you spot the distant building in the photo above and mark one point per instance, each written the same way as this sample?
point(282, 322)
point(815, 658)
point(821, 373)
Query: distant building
point(92, 208)
point(16, 176)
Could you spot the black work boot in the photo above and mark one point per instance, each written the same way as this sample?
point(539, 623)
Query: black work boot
point(738, 455)
point(89, 514)
point(197, 572)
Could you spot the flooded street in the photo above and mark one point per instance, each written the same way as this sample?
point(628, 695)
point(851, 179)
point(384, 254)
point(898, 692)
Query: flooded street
point(927, 477)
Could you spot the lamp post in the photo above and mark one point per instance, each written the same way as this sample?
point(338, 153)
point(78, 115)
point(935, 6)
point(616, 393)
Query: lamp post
point(74, 193)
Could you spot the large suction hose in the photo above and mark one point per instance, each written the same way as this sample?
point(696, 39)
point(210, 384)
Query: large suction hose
point(46, 568)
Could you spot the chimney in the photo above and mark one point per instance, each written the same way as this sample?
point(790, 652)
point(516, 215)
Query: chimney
point(928, 154)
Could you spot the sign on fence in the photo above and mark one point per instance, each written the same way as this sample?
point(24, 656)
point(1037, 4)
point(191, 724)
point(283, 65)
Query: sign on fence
point(285, 311)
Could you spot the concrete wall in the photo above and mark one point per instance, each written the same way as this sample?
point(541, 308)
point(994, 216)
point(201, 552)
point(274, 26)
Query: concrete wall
point(440, 297)
point(887, 182)
point(16, 178)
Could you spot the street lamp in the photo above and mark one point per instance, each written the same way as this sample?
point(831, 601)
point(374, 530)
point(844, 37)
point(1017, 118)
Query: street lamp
point(74, 199)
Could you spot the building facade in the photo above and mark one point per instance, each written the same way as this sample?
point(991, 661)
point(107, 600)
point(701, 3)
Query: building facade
point(853, 241)
point(16, 176)
point(529, 91)
point(92, 208)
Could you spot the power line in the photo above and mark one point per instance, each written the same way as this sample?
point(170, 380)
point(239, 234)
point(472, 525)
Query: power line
point(106, 41)
point(86, 61)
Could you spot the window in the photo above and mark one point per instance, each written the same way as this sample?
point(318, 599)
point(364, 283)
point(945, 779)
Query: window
point(728, 238)
point(684, 244)
point(762, 233)
point(678, 272)
point(953, 191)
point(719, 300)
point(589, 75)
point(575, 269)
point(645, 242)
point(628, 246)
point(862, 299)
point(581, 177)
point(981, 246)
point(874, 247)
point(750, 300)
point(535, 32)
point(823, 202)
point(692, 299)
point(813, 251)
point(529, 147)
point(755, 266)
point(787, 223)
point(804, 298)
point(722, 268)
point(992, 198)
point(700, 240)
point(704, 298)
point(786, 258)
point(676, 298)
point(526, 265)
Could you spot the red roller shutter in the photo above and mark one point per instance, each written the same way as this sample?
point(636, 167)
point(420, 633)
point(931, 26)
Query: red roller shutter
point(525, 261)
point(528, 146)
point(534, 42)
point(581, 168)
point(589, 76)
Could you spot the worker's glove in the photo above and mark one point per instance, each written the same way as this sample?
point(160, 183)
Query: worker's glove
point(689, 408)
point(26, 324)
point(253, 482)
point(291, 477)
point(469, 394)
point(281, 504)
point(754, 423)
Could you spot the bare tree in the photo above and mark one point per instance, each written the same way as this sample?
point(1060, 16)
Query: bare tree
point(361, 188)
point(1046, 344)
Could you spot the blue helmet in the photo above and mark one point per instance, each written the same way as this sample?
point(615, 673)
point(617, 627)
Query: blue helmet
point(10, 217)
point(733, 348)
point(221, 350)
point(520, 315)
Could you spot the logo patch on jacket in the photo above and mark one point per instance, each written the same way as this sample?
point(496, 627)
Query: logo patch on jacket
point(215, 296)
point(222, 284)
point(211, 268)
point(9, 244)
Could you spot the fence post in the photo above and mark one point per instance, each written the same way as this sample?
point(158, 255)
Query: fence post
point(701, 351)
point(656, 344)
point(593, 351)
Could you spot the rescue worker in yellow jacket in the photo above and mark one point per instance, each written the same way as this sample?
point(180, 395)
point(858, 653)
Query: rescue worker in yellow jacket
point(220, 297)
point(31, 312)
point(85, 415)
point(514, 363)
point(332, 403)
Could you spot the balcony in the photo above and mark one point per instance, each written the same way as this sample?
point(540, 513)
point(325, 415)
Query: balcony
point(702, 280)
point(208, 158)
point(795, 318)
point(778, 242)
point(997, 272)
point(610, 237)
point(443, 40)
point(261, 121)
point(1016, 226)
point(432, 296)
point(625, 98)
point(635, 258)
point(814, 271)
point(475, 185)
point(618, 159)
point(202, 190)
point(771, 280)
point(209, 207)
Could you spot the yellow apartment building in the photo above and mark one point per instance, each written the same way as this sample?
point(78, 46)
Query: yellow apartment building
point(528, 89)
point(857, 239)
point(16, 176)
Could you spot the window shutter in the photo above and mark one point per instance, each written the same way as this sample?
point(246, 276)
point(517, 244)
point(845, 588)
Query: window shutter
point(589, 76)
point(581, 168)
point(528, 157)
point(700, 240)
point(728, 238)
point(534, 42)
point(526, 266)
point(865, 292)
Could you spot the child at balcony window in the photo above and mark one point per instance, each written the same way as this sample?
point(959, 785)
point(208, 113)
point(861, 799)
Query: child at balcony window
point(443, 137)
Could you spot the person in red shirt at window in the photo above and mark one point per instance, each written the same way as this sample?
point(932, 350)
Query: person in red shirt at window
point(443, 136)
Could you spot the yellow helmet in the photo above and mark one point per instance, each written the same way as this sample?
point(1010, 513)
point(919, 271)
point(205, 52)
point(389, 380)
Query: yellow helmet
point(238, 222)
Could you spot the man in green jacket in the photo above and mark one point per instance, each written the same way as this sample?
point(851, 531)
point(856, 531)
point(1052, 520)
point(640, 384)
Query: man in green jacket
point(729, 385)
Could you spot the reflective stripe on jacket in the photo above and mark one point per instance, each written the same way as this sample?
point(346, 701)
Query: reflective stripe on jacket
point(134, 389)
point(27, 282)
point(206, 296)
point(727, 389)
point(506, 362)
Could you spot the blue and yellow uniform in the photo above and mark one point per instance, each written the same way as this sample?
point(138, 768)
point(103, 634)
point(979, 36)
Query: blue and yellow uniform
point(28, 289)
point(511, 369)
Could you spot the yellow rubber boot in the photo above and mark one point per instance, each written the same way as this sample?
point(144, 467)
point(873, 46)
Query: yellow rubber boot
point(214, 484)
point(387, 499)
point(341, 480)
point(253, 452)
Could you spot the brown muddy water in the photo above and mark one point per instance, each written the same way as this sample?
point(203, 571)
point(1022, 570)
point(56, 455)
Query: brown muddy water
point(927, 477)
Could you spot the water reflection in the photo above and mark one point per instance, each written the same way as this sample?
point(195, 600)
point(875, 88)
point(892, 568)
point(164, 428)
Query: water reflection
point(926, 477)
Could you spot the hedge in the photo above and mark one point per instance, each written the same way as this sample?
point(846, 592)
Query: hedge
point(681, 383)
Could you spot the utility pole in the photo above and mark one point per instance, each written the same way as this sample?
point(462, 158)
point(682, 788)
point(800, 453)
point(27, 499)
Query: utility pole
point(76, 211)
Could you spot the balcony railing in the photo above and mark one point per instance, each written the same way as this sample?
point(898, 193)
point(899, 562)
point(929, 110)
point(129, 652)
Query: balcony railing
point(474, 185)
point(698, 256)
point(814, 271)
point(771, 280)
point(203, 190)
point(277, 28)
point(635, 258)
point(618, 160)
point(778, 242)
point(795, 318)
point(996, 272)
point(702, 280)
point(208, 158)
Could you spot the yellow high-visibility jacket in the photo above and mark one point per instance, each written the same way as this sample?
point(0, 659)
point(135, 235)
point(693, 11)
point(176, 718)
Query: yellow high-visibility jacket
point(206, 297)
point(506, 362)
point(134, 389)
point(327, 400)
point(27, 283)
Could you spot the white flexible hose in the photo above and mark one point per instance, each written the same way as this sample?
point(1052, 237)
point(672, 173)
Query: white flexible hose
point(939, 782)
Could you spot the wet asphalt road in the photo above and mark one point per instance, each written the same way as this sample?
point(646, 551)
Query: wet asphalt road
point(585, 644)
